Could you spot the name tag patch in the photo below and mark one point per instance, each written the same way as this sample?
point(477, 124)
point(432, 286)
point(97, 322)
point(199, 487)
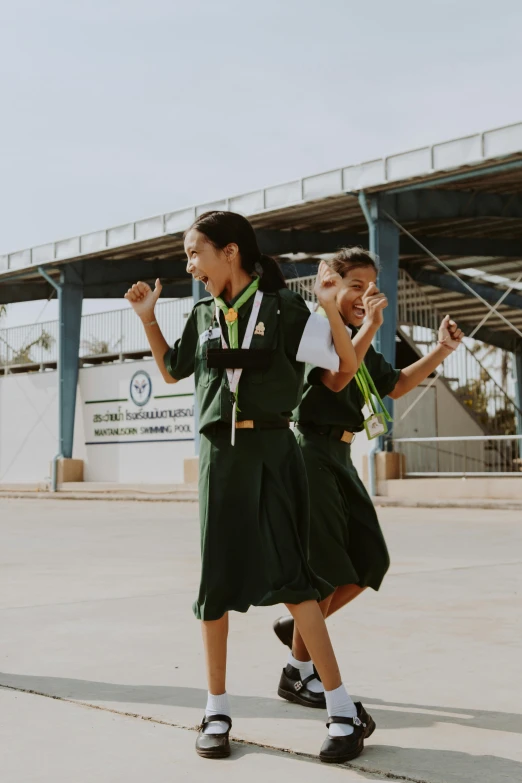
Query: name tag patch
point(375, 425)
point(209, 334)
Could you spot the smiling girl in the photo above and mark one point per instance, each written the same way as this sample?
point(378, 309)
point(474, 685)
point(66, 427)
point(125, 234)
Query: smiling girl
point(246, 345)
point(347, 548)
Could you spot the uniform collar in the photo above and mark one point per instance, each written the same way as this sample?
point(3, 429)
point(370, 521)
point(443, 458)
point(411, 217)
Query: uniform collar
point(246, 307)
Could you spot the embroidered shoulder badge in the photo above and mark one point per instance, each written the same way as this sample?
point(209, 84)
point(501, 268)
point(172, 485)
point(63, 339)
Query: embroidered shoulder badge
point(260, 329)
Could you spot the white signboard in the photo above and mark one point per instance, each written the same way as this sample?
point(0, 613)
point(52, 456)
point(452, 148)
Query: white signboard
point(141, 416)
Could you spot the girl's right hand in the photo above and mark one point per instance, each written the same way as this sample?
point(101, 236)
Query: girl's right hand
point(327, 285)
point(374, 303)
point(143, 299)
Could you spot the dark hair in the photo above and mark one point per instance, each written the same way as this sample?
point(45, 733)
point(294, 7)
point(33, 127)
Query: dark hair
point(223, 228)
point(348, 258)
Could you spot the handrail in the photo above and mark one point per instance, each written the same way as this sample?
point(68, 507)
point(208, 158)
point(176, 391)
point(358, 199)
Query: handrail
point(459, 438)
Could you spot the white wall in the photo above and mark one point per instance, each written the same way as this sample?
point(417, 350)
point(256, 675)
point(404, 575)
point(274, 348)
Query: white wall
point(452, 417)
point(29, 426)
point(159, 461)
point(438, 413)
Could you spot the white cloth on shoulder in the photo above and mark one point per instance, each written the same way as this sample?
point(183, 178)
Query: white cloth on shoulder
point(317, 346)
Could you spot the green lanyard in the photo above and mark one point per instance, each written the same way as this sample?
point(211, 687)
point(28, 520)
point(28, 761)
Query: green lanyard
point(231, 312)
point(367, 388)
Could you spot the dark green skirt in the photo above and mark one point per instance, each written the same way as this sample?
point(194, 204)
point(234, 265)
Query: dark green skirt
point(254, 513)
point(346, 542)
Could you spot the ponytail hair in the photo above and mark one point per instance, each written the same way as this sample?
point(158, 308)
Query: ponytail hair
point(223, 228)
point(271, 276)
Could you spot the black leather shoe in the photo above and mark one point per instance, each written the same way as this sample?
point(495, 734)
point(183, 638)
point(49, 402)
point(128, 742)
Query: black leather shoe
point(366, 720)
point(337, 750)
point(213, 746)
point(284, 630)
point(293, 689)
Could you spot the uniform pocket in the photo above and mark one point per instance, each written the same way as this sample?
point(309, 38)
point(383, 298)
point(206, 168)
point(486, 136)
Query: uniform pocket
point(205, 375)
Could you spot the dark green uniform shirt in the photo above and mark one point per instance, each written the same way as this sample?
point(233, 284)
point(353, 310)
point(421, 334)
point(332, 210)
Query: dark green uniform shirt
point(322, 406)
point(264, 395)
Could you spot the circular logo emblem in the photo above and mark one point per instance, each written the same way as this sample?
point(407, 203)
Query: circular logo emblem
point(140, 388)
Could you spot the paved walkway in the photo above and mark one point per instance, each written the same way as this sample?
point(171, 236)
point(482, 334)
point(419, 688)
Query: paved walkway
point(95, 612)
point(175, 493)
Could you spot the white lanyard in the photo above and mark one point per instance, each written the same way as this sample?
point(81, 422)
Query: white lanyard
point(235, 375)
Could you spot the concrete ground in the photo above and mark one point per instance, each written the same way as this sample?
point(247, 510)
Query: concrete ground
point(95, 612)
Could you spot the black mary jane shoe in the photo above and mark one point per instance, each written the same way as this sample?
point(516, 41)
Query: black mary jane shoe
point(337, 750)
point(366, 720)
point(294, 689)
point(284, 630)
point(213, 746)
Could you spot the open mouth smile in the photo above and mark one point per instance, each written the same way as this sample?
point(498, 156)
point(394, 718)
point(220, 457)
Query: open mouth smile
point(202, 279)
point(359, 312)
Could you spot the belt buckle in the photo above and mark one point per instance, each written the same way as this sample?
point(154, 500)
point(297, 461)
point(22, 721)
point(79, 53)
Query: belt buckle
point(347, 437)
point(245, 424)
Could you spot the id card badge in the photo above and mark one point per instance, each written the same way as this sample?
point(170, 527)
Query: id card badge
point(375, 425)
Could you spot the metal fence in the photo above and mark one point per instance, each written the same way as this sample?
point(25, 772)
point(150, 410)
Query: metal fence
point(112, 335)
point(468, 378)
point(473, 455)
point(118, 334)
point(303, 286)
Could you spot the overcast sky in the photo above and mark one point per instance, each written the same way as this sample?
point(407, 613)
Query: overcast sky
point(115, 110)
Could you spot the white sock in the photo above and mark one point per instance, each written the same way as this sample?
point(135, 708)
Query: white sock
point(217, 705)
point(306, 668)
point(339, 704)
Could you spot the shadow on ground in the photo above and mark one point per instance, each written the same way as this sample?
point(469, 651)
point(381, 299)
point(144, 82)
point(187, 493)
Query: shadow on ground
point(392, 715)
point(435, 766)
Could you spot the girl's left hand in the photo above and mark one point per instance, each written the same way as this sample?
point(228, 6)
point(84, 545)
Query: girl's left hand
point(327, 285)
point(450, 336)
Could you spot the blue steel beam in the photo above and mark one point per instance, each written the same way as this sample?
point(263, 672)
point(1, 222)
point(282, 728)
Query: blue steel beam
point(384, 243)
point(461, 176)
point(276, 243)
point(108, 279)
point(508, 340)
point(431, 204)
point(450, 283)
point(517, 362)
point(281, 242)
point(70, 297)
point(104, 271)
point(18, 291)
point(70, 319)
point(489, 247)
point(299, 269)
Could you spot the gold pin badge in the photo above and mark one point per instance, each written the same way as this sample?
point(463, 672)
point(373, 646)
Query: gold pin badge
point(260, 329)
point(231, 316)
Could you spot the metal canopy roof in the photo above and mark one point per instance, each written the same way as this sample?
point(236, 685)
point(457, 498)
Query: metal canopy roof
point(461, 198)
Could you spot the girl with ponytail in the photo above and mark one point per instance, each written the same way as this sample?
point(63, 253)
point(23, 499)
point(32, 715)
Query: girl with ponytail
point(347, 547)
point(246, 344)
